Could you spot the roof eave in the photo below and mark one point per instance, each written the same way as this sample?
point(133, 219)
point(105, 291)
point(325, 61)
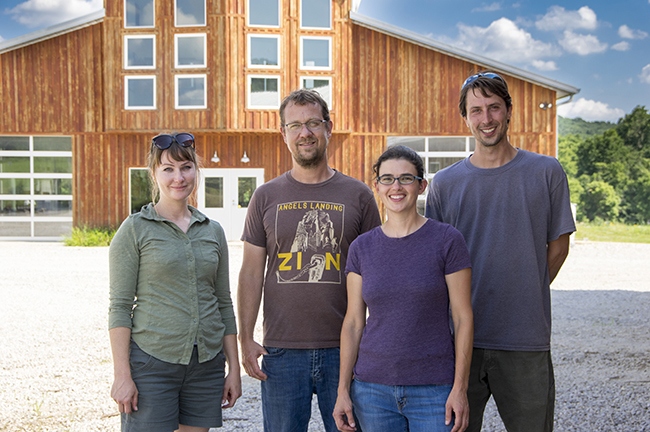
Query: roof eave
point(563, 90)
point(52, 31)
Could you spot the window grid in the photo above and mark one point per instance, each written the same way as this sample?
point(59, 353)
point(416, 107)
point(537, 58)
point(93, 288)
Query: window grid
point(203, 92)
point(33, 198)
point(176, 14)
point(270, 101)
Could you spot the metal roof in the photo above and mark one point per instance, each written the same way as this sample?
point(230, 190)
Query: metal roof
point(52, 31)
point(563, 90)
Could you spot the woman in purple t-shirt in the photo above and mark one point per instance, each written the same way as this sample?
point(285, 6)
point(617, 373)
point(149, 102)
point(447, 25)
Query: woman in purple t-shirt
point(410, 371)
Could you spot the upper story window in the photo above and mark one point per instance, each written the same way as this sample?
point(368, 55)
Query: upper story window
point(264, 13)
point(138, 13)
point(190, 13)
point(323, 85)
point(315, 53)
point(264, 91)
point(263, 51)
point(140, 92)
point(191, 92)
point(140, 52)
point(316, 14)
point(191, 50)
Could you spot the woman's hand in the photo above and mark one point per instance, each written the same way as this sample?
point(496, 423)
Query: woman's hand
point(458, 405)
point(231, 390)
point(125, 393)
point(343, 413)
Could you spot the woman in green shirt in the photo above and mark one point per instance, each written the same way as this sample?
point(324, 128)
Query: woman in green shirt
point(171, 319)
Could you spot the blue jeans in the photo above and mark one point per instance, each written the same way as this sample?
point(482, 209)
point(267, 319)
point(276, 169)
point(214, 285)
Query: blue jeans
point(412, 408)
point(294, 375)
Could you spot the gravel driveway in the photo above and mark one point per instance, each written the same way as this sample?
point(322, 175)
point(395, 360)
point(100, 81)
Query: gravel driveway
point(56, 369)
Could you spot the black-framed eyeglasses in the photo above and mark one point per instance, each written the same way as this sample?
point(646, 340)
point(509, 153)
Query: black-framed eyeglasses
point(404, 179)
point(477, 76)
point(164, 141)
point(312, 125)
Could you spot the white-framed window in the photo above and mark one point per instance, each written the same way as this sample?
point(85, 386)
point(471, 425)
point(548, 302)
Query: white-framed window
point(263, 91)
point(323, 85)
point(316, 14)
point(139, 13)
point(140, 92)
point(315, 53)
point(140, 52)
point(189, 13)
point(191, 91)
point(35, 187)
point(263, 13)
point(264, 51)
point(191, 50)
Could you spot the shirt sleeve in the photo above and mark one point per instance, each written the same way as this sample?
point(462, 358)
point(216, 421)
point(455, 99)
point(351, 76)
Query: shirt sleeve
point(458, 257)
point(371, 218)
point(352, 263)
point(254, 224)
point(432, 208)
point(124, 266)
point(561, 220)
point(222, 288)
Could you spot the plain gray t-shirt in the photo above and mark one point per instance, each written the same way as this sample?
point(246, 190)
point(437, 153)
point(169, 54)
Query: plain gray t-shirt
point(507, 215)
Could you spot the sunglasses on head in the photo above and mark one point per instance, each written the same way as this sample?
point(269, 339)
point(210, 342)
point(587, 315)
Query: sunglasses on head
point(164, 141)
point(477, 76)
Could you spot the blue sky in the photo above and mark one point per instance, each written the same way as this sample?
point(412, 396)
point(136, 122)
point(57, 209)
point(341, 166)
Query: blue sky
point(599, 46)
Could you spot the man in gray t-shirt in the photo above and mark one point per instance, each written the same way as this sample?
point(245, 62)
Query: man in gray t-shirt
point(513, 208)
point(298, 229)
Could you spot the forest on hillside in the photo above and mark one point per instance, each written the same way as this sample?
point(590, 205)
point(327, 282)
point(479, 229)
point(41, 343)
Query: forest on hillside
point(608, 167)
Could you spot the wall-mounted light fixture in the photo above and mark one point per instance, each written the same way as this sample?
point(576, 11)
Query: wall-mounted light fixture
point(545, 105)
point(215, 158)
point(245, 158)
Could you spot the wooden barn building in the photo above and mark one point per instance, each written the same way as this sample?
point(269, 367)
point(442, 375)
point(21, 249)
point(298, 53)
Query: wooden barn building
point(81, 101)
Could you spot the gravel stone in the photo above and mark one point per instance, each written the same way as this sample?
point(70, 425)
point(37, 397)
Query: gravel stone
point(56, 368)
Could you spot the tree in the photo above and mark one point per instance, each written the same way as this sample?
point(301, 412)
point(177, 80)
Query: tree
point(567, 153)
point(605, 157)
point(600, 200)
point(634, 129)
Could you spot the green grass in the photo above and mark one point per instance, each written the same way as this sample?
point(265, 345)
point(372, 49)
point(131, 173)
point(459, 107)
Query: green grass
point(89, 237)
point(613, 232)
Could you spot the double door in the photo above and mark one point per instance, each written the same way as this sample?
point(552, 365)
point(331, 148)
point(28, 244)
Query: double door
point(224, 194)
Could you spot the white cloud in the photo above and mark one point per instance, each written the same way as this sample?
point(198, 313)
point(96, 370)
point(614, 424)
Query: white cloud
point(621, 46)
point(581, 44)
point(1, 38)
point(645, 73)
point(544, 65)
point(504, 41)
point(488, 8)
point(40, 13)
point(558, 18)
point(590, 110)
point(627, 33)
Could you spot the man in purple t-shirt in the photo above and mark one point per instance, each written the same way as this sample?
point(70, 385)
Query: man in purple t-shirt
point(513, 209)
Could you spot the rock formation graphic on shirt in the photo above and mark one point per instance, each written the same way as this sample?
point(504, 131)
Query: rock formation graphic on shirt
point(314, 256)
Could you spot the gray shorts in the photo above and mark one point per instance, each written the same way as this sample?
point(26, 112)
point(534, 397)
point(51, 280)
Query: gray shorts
point(172, 394)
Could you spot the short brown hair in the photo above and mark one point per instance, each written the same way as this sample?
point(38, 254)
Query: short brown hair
point(487, 86)
point(304, 97)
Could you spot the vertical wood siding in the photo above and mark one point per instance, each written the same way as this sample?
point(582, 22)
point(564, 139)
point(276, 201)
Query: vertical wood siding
point(54, 86)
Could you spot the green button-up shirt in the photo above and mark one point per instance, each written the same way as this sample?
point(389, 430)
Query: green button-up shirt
point(171, 288)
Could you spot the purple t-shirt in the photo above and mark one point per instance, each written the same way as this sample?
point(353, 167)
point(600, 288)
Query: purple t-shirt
point(407, 339)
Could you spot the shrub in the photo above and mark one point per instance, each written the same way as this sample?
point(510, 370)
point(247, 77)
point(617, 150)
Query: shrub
point(90, 237)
